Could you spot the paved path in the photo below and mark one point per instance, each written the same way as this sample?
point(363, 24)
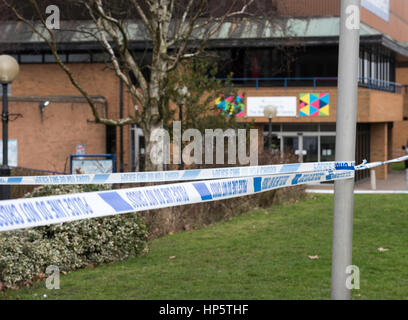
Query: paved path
point(395, 182)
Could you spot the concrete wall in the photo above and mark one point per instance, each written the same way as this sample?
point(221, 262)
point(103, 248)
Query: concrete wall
point(48, 80)
point(400, 138)
point(398, 22)
point(396, 26)
point(46, 139)
point(384, 106)
point(379, 147)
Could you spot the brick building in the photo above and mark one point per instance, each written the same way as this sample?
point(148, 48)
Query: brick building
point(304, 85)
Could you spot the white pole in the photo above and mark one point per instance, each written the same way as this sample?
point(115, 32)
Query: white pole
point(373, 180)
point(406, 178)
point(345, 145)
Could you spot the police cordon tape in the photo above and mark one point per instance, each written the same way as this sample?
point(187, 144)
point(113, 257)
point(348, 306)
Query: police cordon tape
point(236, 182)
point(32, 212)
point(371, 165)
point(188, 175)
point(178, 175)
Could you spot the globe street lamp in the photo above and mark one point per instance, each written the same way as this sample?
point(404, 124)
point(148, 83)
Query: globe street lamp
point(270, 112)
point(8, 72)
point(182, 95)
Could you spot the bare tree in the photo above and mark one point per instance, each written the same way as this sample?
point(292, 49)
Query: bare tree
point(178, 30)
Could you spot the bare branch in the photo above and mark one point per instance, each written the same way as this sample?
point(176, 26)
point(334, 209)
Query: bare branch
point(143, 16)
point(218, 22)
point(52, 45)
point(103, 27)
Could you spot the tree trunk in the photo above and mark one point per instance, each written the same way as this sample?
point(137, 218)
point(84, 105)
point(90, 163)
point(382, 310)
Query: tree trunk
point(151, 147)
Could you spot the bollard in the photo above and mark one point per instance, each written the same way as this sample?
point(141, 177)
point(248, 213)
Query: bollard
point(373, 180)
point(406, 178)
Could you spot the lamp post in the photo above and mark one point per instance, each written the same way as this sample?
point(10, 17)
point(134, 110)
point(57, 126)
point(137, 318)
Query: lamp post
point(8, 72)
point(270, 112)
point(182, 95)
point(345, 148)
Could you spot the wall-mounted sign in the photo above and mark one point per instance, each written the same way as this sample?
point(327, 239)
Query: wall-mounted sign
point(314, 104)
point(80, 149)
point(230, 105)
point(380, 8)
point(286, 106)
point(93, 163)
point(87, 166)
point(12, 153)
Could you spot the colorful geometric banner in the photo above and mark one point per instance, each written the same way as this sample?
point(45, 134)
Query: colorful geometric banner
point(314, 104)
point(230, 105)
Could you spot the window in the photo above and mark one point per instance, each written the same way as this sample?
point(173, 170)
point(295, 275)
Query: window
point(49, 58)
point(79, 57)
point(100, 57)
point(31, 58)
point(375, 68)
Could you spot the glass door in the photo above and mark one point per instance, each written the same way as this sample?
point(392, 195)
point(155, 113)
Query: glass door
point(327, 149)
point(305, 147)
point(291, 145)
point(310, 149)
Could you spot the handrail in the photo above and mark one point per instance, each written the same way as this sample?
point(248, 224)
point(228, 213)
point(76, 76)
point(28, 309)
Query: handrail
point(363, 81)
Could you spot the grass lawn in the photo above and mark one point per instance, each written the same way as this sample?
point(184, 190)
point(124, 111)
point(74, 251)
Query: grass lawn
point(263, 255)
point(398, 166)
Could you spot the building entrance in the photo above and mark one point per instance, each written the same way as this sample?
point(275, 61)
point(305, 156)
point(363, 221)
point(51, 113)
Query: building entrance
point(309, 142)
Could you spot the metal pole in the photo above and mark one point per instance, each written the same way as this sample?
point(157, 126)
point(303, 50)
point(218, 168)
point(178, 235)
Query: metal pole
point(4, 117)
point(5, 170)
point(121, 127)
point(181, 165)
point(405, 148)
point(345, 146)
point(270, 135)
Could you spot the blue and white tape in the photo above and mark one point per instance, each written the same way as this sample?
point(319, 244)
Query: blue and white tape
point(177, 175)
point(32, 212)
point(228, 183)
point(371, 165)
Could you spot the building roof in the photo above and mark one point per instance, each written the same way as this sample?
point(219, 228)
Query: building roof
point(243, 32)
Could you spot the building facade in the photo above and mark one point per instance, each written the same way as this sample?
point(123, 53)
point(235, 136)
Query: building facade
point(290, 62)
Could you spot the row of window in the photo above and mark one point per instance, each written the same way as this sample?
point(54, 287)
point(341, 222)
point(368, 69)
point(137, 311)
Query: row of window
point(65, 57)
point(376, 65)
point(376, 68)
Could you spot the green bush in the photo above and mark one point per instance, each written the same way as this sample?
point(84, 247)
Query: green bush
point(25, 254)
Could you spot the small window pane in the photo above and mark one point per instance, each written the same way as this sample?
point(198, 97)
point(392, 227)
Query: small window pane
point(31, 58)
point(300, 127)
point(328, 127)
point(49, 58)
point(79, 57)
point(100, 57)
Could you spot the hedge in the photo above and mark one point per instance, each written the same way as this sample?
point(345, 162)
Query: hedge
point(25, 254)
